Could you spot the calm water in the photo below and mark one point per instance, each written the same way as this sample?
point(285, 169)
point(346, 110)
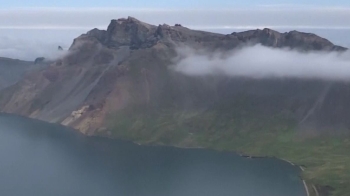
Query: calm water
point(41, 159)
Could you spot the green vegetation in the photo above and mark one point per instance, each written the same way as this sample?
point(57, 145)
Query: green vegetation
point(326, 158)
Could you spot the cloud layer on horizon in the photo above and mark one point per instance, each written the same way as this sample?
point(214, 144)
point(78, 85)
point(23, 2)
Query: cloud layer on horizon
point(30, 44)
point(243, 18)
point(31, 32)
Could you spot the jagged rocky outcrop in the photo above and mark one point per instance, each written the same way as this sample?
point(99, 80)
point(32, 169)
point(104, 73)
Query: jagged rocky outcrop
point(136, 34)
point(127, 64)
point(292, 39)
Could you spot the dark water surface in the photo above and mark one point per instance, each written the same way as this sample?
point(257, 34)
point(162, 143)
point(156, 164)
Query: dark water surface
point(41, 159)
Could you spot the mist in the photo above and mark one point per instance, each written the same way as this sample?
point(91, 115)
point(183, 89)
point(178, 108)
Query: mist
point(30, 44)
point(263, 62)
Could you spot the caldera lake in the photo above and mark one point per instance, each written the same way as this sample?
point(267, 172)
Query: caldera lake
point(43, 159)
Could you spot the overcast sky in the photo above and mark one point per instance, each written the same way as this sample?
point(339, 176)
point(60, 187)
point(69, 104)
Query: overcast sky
point(35, 28)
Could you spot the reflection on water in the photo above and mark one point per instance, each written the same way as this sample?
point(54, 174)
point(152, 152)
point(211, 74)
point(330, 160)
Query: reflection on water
point(41, 159)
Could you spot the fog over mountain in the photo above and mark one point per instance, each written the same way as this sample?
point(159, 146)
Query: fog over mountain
point(262, 62)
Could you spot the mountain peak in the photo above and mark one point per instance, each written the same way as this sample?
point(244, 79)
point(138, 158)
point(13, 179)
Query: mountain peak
point(271, 31)
point(128, 32)
point(129, 21)
point(132, 19)
point(136, 34)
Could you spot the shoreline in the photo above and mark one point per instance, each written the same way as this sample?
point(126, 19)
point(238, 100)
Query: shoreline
point(306, 187)
point(304, 182)
point(302, 169)
point(175, 146)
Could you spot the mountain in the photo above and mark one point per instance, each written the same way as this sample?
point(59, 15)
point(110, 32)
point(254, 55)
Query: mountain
point(119, 83)
point(12, 70)
point(108, 70)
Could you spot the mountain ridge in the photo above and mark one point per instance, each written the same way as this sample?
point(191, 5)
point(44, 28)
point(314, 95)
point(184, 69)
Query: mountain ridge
point(118, 83)
point(97, 50)
point(135, 33)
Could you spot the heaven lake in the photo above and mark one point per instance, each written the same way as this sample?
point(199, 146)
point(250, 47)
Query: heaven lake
point(41, 159)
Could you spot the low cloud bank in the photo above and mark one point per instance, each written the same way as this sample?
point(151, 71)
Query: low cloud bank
point(263, 62)
point(28, 50)
point(28, 45)
point(211, 18)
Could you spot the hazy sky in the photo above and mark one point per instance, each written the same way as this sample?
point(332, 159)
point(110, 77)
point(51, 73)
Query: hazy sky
point(168, 4)
point(35, 28)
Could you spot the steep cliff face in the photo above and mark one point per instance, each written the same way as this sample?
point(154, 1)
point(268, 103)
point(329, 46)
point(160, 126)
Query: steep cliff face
point(127, 65)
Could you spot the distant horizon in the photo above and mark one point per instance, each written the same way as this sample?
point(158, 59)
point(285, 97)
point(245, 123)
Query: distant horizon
point(172, 4)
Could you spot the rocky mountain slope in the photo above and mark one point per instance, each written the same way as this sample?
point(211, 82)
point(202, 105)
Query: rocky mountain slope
point(119, 83)
point(127, 64)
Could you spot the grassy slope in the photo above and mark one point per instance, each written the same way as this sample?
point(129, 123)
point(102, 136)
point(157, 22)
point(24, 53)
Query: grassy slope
point(239, 126)
point(326, 158)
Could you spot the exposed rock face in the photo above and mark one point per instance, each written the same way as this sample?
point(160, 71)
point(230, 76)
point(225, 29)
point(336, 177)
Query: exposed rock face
point(126, 32)
point(76, 115)
point(292, 39)
point(127, 65)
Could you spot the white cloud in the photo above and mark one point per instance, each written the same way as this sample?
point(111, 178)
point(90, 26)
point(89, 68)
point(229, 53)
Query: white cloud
point(263, 62)
point(30, 44)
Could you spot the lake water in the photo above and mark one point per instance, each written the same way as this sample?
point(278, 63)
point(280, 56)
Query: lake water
point(42, 159)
